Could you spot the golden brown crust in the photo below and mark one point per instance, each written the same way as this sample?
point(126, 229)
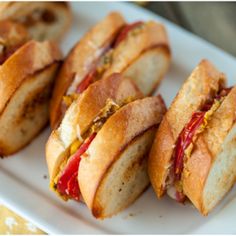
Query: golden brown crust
point(78, 60)
point(160, 156)
point(206, 149)
point(83, 111)
point(204, 81)
point(31, 57)
point(26, 114)
point(137, 163)
point(119, 130)
point(153, 35)
point(55, 151)
point(94, 98)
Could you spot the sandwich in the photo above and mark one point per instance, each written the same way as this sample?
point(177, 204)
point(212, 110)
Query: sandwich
point(12, 36)
point(139, 50)
point(193, 155)
point(43, 20)
point(26, 79)
point(99, 152)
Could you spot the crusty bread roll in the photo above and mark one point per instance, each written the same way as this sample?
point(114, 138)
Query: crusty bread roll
point(43, 20)
point(215, 157)
point(123, 136)
point(115, 164)
point(82, 112)
point(143, 54)
point(209, 168)
point(26, 79)
point(12, 36)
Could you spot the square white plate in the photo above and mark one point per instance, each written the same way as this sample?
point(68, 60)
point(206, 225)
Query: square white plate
point(24, 189)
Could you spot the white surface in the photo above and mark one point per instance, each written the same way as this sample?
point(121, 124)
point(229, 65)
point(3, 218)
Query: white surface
point(23, 188)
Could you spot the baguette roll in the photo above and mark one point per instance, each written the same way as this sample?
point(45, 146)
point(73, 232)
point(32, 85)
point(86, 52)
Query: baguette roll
point(108, 128)
point(26, 79)
point(143, 55)
point(115, 164)
point(193, 152)
point(80, 116)
point(214, 154)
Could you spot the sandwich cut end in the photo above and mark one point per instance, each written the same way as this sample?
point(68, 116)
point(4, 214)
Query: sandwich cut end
point(126, 178)
point(26, 113)
point(211, 170)
point(84, 116)
point(120, 149)
point(26, 80)
point(147, 63)
point(200, 88)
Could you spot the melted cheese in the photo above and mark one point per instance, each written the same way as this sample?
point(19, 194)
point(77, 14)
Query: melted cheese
point(104, 63)
point(68, 99)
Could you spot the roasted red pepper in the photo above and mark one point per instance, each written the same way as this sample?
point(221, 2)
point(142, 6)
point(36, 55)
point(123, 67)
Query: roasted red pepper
point(124, 32)
point(186, 135)
point(180, 197)
point(86, 81)
point(185, 138)
point(68, 183)
point(90, 77)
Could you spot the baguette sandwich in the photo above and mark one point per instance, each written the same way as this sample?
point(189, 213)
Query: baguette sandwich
point(139, 50)
point(26, 78)
point(43, 20)
point(98, 153)
point(193, 156)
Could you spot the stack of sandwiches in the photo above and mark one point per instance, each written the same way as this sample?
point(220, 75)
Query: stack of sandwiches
point(110, 137)
point(139, 50)
point(103, 127)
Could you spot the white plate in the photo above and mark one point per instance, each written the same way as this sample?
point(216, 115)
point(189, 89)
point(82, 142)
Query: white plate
point(24, 189)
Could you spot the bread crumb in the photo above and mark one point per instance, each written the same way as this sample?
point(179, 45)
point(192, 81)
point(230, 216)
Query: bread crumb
point(131, 214)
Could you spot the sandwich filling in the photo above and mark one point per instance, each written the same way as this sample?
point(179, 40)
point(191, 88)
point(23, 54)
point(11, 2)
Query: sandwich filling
point(100, 65)
point(185, 142)
point(66, 182)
